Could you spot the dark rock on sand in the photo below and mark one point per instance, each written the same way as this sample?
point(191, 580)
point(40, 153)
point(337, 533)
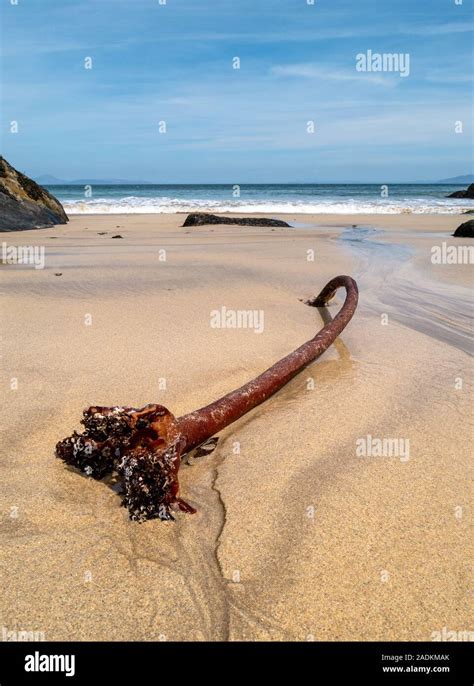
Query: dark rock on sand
point(25, 205)
point(201, 219)
point(469, 193)
point(117, 236)
point(466, 230)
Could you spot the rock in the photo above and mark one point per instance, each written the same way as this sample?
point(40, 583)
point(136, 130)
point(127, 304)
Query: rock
point(25, 205)
point(201, 219)
point(117, 236)
point(466, 230)
point(468, 212)
point(469, 193)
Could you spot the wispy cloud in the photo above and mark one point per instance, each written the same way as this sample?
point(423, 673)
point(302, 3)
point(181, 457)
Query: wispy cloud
point(309, 70)
point(436, 29)
point(314, 35)
point(329, 33)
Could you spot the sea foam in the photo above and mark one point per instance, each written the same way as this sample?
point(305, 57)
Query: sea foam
point(169, 205)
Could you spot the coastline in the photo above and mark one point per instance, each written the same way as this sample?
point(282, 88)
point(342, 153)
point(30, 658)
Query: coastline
point(296, 537)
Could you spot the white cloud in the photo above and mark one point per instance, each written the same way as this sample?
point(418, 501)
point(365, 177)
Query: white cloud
point(310, 70)
point(437, 29)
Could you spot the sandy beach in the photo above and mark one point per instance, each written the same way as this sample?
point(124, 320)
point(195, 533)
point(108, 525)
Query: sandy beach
point(296, 536)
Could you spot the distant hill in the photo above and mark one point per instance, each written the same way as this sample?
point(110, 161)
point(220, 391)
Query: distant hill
point(461, 180)
point(48, 180)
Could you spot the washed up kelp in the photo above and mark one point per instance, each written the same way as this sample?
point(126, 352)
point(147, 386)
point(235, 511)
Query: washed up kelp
point(144, 447)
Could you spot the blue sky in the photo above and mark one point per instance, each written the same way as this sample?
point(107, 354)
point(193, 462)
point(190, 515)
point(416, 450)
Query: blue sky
point(174, 63)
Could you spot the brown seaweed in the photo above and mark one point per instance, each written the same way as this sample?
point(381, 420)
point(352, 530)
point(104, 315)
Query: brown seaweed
point(145, 446)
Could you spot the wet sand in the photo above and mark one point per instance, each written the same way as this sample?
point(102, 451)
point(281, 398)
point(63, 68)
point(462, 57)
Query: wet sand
point(296, 536)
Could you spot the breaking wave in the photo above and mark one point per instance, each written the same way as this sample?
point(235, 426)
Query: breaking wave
point(167, 205)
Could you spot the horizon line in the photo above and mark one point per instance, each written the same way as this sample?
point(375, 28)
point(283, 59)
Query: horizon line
point(100, 182)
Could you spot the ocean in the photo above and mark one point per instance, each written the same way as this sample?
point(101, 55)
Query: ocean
point(264, 198)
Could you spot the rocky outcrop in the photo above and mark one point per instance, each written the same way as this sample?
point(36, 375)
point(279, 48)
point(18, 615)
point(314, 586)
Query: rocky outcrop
point(469, 193)
point(466, 230)
point(24, 204)
point(201, 219)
